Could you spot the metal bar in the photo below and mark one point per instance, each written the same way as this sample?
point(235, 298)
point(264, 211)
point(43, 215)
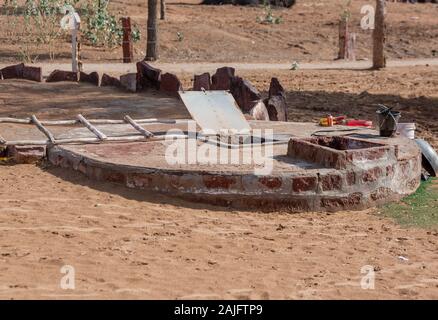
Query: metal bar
point(137, 127)
point(96, 140)
point(43, 129)
point(94, 121)
point(13, 120)
point(92, 128)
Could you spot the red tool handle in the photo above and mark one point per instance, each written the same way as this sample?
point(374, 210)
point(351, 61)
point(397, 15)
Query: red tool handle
point(359, 123)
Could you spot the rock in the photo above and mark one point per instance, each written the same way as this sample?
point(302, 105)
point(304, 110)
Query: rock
point(148, 76)
point(202, 81)
point(277, 108)
point(259, 111)
point(59, 75)
point(108, 81)
point(129, 81)
point(13, 72)
point(27, 154)
point(221, 80)
point(33, 73)
point(275, 88)
point(170, 83)
point(245, 94)
point(92, 78)
point(276, 103)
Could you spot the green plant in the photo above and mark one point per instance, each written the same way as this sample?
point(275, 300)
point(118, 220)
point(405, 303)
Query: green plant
point(346, 12)
point(419, 209)
point(179, 36)
point(268, 17)
point(101, 27)
point(295, 66)
point(35, 25)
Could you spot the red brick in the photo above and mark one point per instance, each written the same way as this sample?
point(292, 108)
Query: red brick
point(331, 203)
point(59, 75)
point(219, 182)
point(202, 81)
point(221, 80)
point(272, 182)
point(13, 72)
point(303, 184)
point(33, 74)
point(380, 193)
point(92, 78)
point(170, 83)
point(351, 178)
point(331, 182)
point(108, 81)
point(371, 175)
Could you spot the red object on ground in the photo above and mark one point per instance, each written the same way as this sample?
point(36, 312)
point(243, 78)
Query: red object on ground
point(359, 123)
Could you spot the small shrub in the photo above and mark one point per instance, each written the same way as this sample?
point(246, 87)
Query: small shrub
point(268, 17)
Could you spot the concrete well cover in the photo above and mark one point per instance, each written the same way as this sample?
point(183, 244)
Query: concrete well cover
point(215, 111)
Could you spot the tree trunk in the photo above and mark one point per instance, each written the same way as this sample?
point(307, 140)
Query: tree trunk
point(379, 36)
point(163, 9)
point(152, 33)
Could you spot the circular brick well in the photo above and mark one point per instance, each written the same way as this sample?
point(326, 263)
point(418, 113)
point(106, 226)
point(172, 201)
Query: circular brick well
point(308, 173)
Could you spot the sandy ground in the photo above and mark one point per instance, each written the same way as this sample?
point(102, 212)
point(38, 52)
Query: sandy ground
point(128, 244)
point(308, 32)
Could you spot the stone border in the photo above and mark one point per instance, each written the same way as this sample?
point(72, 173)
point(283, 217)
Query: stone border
point(330, 190)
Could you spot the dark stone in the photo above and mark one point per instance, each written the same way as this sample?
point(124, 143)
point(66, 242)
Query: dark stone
point(33, 74)
point(221, 80)
point(129, 81)
point(245, 94)
point(108, 81)
point(92, 78)
point(277, 108)
point(13, 72)
point(275, 88)
point(59, 75)
point(276, 103)
point(148, 76)
point(202, 81)
point(170, 83)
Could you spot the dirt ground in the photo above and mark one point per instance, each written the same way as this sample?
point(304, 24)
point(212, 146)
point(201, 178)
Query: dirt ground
point(308, 32)
point(128, 244)
point(312, 94)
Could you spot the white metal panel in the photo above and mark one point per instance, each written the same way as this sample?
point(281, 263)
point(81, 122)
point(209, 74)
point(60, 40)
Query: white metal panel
point(215, 111)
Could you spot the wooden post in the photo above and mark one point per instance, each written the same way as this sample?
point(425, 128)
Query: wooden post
point(343, 37)
point(347, 41)
point(137, 127)
point(163, 9)
point(74, 50)
point(128, 52)
point(379, 36)
point(92, 128)
point(350, 52)
point(152, 34)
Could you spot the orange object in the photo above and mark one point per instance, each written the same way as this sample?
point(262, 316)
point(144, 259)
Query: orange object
point(331, 121)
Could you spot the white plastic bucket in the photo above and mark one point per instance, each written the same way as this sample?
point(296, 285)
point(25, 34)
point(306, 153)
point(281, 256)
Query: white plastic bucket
point(406, 130)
